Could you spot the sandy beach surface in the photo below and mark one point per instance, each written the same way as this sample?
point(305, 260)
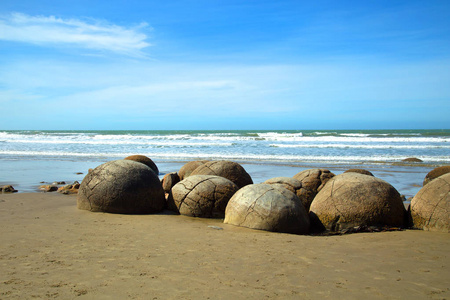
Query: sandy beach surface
point(50, 249)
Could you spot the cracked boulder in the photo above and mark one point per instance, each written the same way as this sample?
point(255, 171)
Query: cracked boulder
point(435, 173)
point(352, 199)
point(294, 186)
point(121, 186)
point(144, 160)
point(187, 169)
point(430, 207)
point(267, 207)
point(313, 180)
point(228, 169)
point(204, 196)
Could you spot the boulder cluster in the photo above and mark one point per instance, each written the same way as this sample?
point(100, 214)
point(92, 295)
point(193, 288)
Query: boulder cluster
point(312, 201)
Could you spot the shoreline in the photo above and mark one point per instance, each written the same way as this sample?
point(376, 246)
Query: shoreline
point(50, 249)
point(27, 175)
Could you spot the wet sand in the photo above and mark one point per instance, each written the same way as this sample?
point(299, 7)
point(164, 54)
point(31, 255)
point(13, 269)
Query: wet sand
point(50, 249)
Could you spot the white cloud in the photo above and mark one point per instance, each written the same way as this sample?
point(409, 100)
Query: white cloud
point(94, 35)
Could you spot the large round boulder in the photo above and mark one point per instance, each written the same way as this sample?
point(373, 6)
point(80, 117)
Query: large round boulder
point(204, 196)
point(228, 169)
point(187, 168)
point(267, 207)
point(435, 173)
point(121, 186)
point(430, 207)
point(313, 180)
point(144, 160)
point(352, 199)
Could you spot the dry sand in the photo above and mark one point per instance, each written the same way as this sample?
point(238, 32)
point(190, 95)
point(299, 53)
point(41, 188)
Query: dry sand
point(49, 249)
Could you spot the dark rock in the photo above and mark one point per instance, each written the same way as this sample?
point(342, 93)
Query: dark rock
point(70, 188)
point(352, 200)
point(169, 180)
point(267, 207)
point(430, 207)
point(203, 196)
point(8, 189)
point(48, 188)
point(412, 159)
point(144, 160)
point(121, 186)
point(227, 169)
point(187, 169)
point(435, 173)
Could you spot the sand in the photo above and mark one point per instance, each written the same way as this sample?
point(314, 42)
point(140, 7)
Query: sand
point(50, 249)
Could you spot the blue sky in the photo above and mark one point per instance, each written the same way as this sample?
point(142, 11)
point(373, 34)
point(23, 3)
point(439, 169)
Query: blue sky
point(224, 64)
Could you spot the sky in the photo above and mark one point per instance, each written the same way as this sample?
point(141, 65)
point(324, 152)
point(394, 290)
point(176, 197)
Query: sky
point(226, 65)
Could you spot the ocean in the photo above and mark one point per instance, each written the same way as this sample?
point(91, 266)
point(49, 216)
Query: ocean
point(29, 157)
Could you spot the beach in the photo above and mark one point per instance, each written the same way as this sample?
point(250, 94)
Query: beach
point(50, 249)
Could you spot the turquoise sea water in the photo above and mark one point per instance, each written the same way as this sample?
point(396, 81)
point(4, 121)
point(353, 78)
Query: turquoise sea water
point(28, 157)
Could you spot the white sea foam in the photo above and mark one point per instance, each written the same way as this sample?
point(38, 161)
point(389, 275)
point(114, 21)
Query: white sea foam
point(234, 156)
point(360, 146)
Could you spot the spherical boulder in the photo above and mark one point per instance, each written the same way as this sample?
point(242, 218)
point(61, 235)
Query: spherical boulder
point(204, 196)
point(430, 207)
point(187, 169)
point(121, 186)
point(360, 171)
point(169, 180)
point(228, 169)
point(435, 173)
point(352, 199)
point(145, 160)
point(313, 180)
point(267, 207)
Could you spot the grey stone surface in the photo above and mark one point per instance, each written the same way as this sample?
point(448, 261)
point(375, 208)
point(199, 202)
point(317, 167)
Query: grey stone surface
point(121, 186)
point(352, 199)
point(294, 186)
point(203, 196)
point(430, 207)
point(267, 207)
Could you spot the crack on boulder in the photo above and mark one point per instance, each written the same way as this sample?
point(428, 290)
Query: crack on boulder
point(250, 209)
point(189, 191)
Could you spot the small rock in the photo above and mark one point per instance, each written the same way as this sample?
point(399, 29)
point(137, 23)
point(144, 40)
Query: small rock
point(8, 189)
point(48, 188)
point(412, 159)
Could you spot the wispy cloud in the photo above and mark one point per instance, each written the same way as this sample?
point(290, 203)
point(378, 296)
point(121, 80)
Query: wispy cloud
point(92, 34)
